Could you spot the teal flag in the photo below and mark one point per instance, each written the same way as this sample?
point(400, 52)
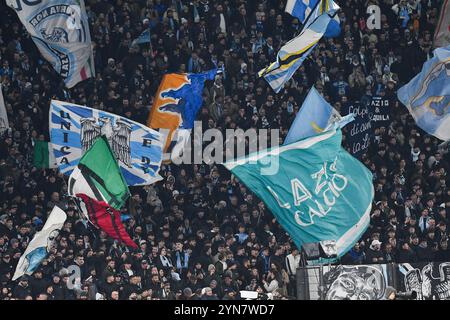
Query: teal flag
point(316, 190)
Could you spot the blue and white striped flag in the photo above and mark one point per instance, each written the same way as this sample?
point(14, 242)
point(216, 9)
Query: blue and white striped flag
point(74, 129)
point(293, 53)
point(301, 9)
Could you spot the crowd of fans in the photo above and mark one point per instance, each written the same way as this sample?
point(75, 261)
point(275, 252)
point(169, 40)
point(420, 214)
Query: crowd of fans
point(201, 233)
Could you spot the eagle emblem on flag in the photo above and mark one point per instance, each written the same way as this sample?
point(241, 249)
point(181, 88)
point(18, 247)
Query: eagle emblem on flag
point(118, 136)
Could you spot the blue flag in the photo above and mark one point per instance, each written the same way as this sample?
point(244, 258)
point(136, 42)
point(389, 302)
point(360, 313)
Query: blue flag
point(293, 53)
point(74, 129)
point(301, 9)
point(143, 38)
point(315, 115)
point(427, 95)
point(315, 189)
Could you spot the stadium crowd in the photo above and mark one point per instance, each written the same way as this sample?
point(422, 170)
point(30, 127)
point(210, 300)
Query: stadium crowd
point(202, 234)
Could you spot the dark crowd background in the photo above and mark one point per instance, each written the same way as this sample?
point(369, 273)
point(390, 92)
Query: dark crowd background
point(202, 234)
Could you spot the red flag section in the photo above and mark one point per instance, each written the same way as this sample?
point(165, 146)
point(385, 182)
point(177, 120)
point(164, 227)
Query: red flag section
point(106, 218)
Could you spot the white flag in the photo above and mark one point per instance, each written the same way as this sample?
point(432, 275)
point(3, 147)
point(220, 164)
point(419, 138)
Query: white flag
point(60, 30)
point(41, 244)
point(4, 124)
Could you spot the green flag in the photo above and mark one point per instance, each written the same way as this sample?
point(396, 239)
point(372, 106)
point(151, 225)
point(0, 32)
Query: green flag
point(98, 176)
point(43, 156)
point(317, 191)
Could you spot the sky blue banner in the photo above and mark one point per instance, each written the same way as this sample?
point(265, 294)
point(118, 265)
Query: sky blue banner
point(74, 128)
point(427, 95)
point(318, 192)
point(313, 117)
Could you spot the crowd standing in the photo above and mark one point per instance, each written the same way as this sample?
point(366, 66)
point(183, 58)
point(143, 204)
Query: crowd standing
point(202, 234)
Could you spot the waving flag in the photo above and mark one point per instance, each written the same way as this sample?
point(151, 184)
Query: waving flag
point(98, 176)
point(105, 218)
point(293, 53)
point(4, 124)
point(427, 95)
point(74, 128)
point(143, 38)
point(315, 116)
point(60, 30)
point(301, 9)
point(319, 193)
point(176, 103)
point(43, 156)
point(42, 242)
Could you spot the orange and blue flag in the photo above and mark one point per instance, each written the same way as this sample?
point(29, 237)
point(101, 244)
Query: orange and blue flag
point(177, 101)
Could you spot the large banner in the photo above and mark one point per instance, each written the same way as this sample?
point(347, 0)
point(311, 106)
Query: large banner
point(60, 30)
point(74, 128)
point(359, 131)
point(431, 281)
point(344, 282)
point(315, 190)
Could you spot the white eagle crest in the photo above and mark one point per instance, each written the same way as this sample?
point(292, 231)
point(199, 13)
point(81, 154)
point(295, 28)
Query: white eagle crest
point(118, 136)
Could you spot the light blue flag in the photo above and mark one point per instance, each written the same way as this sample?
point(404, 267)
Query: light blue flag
point(143, 38)
point(293, 53)
point(301, 9)
point(427, 95)
point(315, 116)
point(315, 189)
point(74, 129)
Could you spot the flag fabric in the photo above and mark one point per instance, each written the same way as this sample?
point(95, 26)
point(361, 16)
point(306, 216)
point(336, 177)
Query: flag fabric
point(74, 128)
point(105, 218)
point(143, 38)
point(43, 156)
point(4, 124)
point(293, 53)
point(42, 242)
point(319, 192)
point(99, 177)
point(177, 101)
point(427, 95)
point(301, 9)
point(315, 116)
point(442, 32)
point(60, 30)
